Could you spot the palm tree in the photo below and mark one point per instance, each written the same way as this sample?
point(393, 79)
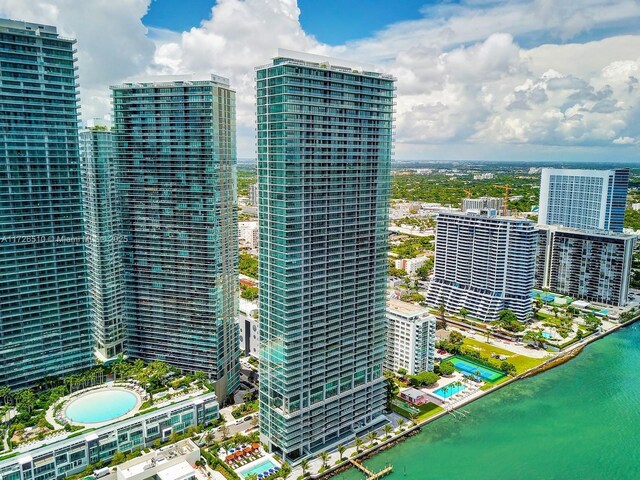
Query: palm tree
point(400, 422)
point(445, 389)
point(463, 313)
point(27, 398)
point(285, 470)
point(209, 437)
point(358, 443)
point(372, 436)
point(224, 430)
point(341, 449)
point(441, 312)
point(304, 464)
point(5, 393)
point(387, 429)
point(324, 457)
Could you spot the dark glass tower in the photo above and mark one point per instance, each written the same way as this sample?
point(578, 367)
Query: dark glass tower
point(176, 157)
point(44, 323)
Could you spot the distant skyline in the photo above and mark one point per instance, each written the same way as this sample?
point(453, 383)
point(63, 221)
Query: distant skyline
point(503, 80)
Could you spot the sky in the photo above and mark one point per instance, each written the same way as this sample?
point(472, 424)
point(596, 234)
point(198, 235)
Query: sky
point(476, 79)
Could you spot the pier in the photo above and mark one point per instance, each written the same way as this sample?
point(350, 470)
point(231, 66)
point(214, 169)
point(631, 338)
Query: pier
point(371, 475)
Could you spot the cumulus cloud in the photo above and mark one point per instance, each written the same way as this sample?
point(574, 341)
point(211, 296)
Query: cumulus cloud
point(626, 141)
point(467, 74)
point(112, 41)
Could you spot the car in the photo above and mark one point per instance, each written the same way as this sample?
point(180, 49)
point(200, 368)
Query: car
point(442, 352)
point(247, 418)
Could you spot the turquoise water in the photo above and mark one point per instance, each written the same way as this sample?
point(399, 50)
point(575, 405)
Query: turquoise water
point(101, 406)
point(259, 468)
point(450, 391)
point(471, 368)
point(579, 421)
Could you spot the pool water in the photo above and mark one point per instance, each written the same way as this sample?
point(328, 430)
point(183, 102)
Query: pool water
point(259, 468)
point(101, 406)
point(547, 335)
point(449, 390)
point(470, 368)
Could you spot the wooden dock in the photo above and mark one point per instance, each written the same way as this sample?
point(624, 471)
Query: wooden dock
point(371, 475)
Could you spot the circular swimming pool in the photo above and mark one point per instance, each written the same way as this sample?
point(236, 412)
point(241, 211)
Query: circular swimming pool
point(101, 406)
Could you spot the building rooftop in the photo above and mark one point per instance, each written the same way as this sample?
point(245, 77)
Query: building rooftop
point(177, 472)
point(413, 393)
point(485, 214)
point(405, 308)
point(156, 459)
point(335, 64)
point(164, 80)
point(6, 24)
point(591, 231)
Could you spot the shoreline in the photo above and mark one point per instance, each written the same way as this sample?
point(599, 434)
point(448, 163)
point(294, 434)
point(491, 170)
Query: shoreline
point(570, 353)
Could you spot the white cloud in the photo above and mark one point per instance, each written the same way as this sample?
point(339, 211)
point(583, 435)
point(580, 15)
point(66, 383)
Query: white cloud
point(464, 77)
point(112, 41)
point(626, 141)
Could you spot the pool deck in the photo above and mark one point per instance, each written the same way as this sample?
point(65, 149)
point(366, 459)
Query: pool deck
point(250, 465)
point(108, 386)
point(470, 389)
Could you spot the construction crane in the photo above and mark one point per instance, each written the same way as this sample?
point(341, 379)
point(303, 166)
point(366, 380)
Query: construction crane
point(507, 189)
point(468, 192)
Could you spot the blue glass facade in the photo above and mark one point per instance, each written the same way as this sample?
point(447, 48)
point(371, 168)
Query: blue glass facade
point(324, 149)
point(174, 144)
point(103, 231)
point(587, 199)
point(44, 323)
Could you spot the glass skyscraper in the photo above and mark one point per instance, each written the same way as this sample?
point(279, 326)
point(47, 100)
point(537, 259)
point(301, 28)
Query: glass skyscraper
point(44, 322)
point(174, 144)
point(585, 199)
point(103, 231)
point(324, 148)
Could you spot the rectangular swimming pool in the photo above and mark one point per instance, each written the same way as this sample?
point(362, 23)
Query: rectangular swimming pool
point(475, 369)
point(257, 469)
point(448, 390)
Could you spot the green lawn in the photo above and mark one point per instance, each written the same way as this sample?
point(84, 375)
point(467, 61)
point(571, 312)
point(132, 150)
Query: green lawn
point(521, 362)
point(427, 410)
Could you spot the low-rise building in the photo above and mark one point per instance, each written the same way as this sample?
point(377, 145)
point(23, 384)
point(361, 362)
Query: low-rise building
point(593, 265)
point(410, 265)
point(173, 462)
point(74, 454)
point(249, 328)
point(411, 337)
point(415, 396)
point(248, 233)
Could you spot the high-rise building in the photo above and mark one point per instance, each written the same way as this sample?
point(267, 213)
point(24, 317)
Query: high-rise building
point(590, 265)
point(44, 321)
point(483, 203)
point(411, 338)
point(174, 144)
point(324, 150)
point(483, 263)
point(584, 198)
point(253, 194)
point(103, 231)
